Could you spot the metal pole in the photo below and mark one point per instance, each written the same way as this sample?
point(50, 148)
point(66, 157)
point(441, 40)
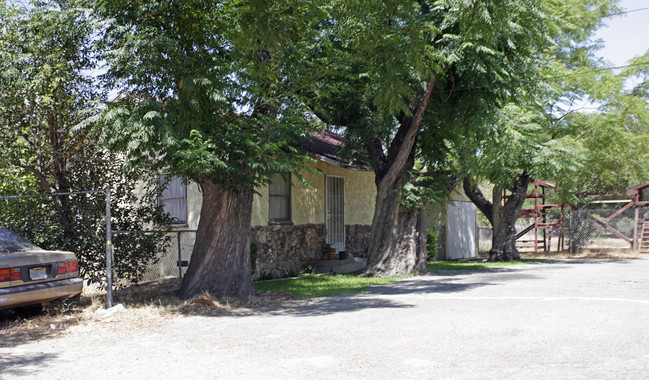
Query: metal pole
point(636, 227)
point(570, 228)
point(180, 261)
point(109, 252)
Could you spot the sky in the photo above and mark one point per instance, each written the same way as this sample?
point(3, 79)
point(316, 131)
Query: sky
point(627, 35)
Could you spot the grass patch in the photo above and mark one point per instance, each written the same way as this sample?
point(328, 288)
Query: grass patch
point(455, 265)
point(310, 286)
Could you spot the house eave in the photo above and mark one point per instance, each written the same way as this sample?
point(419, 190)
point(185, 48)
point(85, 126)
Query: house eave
point(331, 161)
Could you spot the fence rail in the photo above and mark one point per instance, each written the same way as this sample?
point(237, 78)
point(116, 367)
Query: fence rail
point(66, 220)
point(172, 260)
point(592, 229)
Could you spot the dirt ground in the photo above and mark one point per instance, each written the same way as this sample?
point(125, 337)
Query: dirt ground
point(149, 305)
point(621, 255)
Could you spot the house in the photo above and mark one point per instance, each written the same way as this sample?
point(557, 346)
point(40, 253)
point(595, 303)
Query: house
point(293, 222)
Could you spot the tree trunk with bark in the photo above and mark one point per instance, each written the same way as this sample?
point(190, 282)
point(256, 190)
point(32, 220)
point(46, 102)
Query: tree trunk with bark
point(501, 216)
point(394, 248)
point(220, 261)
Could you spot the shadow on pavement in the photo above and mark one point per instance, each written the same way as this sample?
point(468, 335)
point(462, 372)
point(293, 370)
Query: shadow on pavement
point(13, 365)
point(333, 305)
point(351, 303)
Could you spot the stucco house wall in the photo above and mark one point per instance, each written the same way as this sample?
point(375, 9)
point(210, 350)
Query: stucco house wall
point(285, 247)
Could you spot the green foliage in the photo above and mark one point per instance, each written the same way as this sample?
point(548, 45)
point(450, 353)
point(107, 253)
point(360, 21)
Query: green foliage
point(309, 265)
point(205, 87)
point(291, 272)
point(432, 247)
point(265, 276)
point(616, 137)
point(426, 188)
point(380, 58)
point(323, 285)
point(77, 223)
point(328, 248)
point(46, 60)
point(546, 134)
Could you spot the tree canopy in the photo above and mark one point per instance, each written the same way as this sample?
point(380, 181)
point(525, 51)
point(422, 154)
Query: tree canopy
point(207, 93)
point(47, 90)
point(410, 80)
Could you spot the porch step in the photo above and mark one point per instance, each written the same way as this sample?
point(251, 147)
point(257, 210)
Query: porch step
point(341, 266)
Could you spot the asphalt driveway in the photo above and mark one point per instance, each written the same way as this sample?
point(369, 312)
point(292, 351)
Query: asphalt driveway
point(584, 319)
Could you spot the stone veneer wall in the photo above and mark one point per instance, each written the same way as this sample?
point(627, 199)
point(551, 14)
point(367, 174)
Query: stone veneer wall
point(285, 248)
point(357, 239)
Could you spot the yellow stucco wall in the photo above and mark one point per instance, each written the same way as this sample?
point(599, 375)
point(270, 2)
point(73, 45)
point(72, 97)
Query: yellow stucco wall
point(307, 200)
point(436, 213)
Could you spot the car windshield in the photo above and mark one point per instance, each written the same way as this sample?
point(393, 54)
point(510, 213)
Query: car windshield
point(10, 242)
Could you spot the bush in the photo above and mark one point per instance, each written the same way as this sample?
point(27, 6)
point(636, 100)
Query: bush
point(432, 248)
point(77, 222)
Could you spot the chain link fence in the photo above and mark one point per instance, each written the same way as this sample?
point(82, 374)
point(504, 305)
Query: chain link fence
point(84, 222)
point(72, 221)
point(591, 228)
point(586, 229)
point(171, 260)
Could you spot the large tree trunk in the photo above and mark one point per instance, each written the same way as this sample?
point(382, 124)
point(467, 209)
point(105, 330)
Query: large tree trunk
point(394, 241)
point(502, 217)
point(220, 262)
point(395, 236)
point(503, 242)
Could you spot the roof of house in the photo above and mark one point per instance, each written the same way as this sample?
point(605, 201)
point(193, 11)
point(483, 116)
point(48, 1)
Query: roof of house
point(326, 144)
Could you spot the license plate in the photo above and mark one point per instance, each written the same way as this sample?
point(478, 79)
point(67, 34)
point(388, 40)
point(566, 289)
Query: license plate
point(38, 273)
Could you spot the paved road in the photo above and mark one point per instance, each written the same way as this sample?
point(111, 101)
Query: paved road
point(567, 320)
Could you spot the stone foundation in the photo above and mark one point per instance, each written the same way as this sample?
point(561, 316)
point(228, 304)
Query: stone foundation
point(357, 239)
point(284, 249)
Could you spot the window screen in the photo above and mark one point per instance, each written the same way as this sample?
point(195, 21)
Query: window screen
point(279, 204)
point(173, 198)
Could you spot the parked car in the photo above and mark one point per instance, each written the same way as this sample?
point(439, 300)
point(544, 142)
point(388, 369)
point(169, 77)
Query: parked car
point(30, 275)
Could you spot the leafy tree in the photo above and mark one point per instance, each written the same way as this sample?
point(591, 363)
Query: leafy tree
point(616, 136)
point(46, 59)
point(207, 96)
point(547, 137)
point(407, 79)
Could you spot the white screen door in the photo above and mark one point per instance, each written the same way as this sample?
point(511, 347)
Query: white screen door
point(335, 212)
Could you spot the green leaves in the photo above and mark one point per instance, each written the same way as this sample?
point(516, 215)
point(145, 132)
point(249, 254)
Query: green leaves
point(209, 86)
point(48, 99)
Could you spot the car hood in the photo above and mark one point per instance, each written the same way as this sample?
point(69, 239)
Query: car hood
point(16, 250)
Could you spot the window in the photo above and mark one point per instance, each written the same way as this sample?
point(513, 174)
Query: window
point(173, 198)
point(279, 199)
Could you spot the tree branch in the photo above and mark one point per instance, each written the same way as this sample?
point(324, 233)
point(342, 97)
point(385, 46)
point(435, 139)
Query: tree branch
point(515, 201)
point(403, 143)
point(476, 196)
point(40, 176)
point(377, 157)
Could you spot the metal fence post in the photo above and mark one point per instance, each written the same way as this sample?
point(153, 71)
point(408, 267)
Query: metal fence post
point(570, 229)
point(180, 261)
point(109, 252)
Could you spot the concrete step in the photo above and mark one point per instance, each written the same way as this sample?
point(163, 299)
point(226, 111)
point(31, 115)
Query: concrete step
point(353, 264)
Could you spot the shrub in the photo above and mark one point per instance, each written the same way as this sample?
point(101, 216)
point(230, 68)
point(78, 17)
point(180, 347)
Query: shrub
point(431, 246)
